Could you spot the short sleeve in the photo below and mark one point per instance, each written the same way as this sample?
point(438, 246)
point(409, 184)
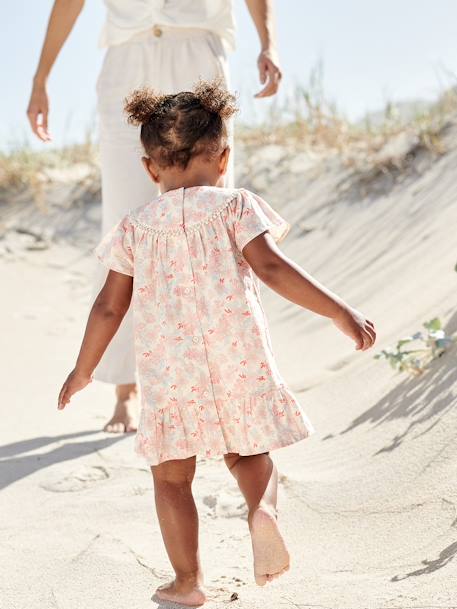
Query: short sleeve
point(255, 216)
point(116, 249)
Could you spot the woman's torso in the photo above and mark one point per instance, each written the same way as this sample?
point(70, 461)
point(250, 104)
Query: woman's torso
point(125, 18)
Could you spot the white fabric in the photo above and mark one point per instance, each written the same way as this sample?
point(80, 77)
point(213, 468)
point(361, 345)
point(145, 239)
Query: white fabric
point(169, 63)
point(128, 17)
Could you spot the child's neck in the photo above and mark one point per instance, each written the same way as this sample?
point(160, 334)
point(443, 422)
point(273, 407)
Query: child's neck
point(183, 179)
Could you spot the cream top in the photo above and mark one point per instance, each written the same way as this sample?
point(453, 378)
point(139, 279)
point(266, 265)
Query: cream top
point(125, 18)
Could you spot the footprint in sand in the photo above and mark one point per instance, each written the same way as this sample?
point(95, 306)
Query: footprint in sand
point(83, 478)
point(226, 505)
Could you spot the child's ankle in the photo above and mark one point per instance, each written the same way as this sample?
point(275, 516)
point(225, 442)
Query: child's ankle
point(270, 509)
point(190, 578)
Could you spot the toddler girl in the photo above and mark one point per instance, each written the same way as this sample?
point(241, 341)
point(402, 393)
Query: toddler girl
point(190, 261)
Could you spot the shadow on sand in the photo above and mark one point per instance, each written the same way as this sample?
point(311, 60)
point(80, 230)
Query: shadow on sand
point(161, 604)
point(416, 399)
point(443, 559)
point(14, 465)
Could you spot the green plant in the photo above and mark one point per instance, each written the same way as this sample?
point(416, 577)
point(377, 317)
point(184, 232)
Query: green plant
point(426, 346)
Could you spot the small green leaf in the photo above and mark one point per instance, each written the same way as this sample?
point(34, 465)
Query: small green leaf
point(433, 324)
point(404, 341)
point(444, 342)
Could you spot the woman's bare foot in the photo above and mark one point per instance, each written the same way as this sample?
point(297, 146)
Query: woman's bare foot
point(125, 415)
point(191, 594)
point(271, 558)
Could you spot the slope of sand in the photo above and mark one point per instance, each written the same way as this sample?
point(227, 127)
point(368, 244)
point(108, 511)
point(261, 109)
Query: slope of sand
point(368, 503)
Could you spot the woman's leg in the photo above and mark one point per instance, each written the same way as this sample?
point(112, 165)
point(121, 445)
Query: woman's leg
point(125, 185)
point(125, 415)
point(257, 479)
point(178, 521)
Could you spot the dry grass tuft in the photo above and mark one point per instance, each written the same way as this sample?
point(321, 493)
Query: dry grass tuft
point(386, 145)
point(307, 121)
point(25, 170)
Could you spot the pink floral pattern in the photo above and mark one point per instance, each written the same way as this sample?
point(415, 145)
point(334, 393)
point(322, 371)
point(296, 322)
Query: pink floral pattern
point(208, 379)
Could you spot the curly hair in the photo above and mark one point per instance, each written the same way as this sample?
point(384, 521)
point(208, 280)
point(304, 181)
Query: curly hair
point(178, 127)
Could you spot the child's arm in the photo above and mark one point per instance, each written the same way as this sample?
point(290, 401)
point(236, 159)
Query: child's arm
point(293, 283)
point(106, 314)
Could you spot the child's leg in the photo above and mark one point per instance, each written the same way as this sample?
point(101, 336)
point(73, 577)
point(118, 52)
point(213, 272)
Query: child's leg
point(178, 520)
point(257, 478)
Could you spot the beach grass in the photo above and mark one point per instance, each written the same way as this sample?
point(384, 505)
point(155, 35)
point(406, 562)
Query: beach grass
point(306, 120)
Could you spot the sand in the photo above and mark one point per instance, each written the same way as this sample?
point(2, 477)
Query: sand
point(367, 504)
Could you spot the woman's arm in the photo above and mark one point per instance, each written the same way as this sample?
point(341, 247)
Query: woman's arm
point(61, 21)
point(292, 282)
point(269, 71)
point(105, 317)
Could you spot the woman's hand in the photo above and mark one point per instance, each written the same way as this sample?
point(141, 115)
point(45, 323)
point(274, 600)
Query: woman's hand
point(61, 21)
point(75, 382)
point(269, 72)
point(355, 325)
point(38, 110)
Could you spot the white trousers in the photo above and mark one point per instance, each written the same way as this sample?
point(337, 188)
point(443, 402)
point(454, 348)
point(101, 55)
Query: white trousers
point(168, 59)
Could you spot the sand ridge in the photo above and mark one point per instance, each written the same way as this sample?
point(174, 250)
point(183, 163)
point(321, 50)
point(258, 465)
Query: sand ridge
point(367, 504)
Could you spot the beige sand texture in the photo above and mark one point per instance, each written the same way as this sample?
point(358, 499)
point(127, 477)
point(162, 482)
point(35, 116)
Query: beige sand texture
point(367, 504)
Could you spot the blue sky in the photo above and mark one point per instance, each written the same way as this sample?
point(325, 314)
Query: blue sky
point(372, 52)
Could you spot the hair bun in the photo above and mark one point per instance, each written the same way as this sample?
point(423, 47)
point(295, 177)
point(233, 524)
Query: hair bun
point(214, 97)
point(142, 104)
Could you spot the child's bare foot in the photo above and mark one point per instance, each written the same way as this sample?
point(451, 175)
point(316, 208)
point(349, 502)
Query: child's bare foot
point(184, 593)
point(271, 558)
point(124, 418)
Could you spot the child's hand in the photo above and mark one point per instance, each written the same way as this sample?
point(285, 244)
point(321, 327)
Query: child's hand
point(75, 382)
point(355, 325)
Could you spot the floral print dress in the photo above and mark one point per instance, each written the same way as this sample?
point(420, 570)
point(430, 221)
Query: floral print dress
point(208, 379)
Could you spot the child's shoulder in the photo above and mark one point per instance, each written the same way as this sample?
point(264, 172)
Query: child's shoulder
point(174, 197)
point(211, 198)
point(164, 211)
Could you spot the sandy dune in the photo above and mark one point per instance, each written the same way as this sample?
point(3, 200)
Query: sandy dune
point(368, 503)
